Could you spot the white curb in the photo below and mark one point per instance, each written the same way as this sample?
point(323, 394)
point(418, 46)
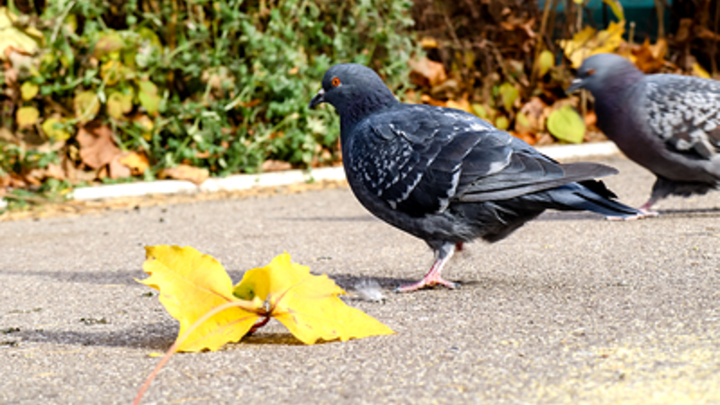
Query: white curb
point(247, 181)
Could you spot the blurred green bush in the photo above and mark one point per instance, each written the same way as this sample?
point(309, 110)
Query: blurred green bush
point(216, 84)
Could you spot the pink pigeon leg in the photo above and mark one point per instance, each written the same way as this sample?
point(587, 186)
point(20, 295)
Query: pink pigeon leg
point(433, 277)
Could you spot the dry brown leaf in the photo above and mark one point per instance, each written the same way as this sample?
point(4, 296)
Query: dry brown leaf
point(136, 162)
point(275, 166)
point(96, 145)
point(426, 72)
point(196, 175)
point(51, 171)
point(116, 169)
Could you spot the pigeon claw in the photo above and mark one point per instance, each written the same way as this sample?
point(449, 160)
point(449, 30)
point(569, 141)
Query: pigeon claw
point(427, 282)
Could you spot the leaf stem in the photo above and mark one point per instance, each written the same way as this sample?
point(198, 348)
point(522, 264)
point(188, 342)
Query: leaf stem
point(181, 339)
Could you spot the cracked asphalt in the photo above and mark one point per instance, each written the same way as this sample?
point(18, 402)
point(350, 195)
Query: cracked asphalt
point(571, 309)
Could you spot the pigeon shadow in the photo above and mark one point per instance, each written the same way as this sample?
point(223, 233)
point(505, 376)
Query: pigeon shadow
point(349, 282)
point(691, 213)
point(357, 218)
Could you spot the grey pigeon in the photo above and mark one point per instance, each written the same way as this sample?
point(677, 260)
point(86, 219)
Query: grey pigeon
point(446, 176)
point(669, 124)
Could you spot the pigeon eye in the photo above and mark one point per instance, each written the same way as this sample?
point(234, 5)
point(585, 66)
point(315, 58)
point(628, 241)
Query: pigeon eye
point(590, 72)
point(335, 82)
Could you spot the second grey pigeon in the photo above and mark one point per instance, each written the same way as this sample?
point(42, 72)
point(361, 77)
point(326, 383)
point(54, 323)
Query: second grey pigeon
point(446, 176)
point(669, 124)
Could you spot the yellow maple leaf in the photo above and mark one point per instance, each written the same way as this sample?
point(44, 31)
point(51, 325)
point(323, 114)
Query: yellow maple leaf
point(307, 305)
point(191, 285)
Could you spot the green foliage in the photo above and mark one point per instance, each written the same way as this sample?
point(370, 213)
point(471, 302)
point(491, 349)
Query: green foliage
point(220, 84)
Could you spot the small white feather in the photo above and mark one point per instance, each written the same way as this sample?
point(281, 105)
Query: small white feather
point(369, 290)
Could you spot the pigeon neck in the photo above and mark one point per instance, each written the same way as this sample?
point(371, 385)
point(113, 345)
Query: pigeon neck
point(356, 109)
point(607, 97)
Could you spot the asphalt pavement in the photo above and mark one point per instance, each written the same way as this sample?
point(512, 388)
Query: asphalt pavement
point(569, 309)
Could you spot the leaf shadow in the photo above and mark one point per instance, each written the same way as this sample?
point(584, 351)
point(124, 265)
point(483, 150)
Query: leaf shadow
point(273, 338)
point(155, 336)
point(119, 277)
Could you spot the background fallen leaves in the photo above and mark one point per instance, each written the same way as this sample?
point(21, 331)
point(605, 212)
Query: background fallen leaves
point(98, 93)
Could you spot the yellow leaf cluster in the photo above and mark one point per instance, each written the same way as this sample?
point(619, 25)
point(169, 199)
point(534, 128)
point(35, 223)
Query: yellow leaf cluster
point(196, 290)
point(589, 42)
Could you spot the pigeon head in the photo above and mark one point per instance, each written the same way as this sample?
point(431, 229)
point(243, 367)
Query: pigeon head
point(354, 90)
point(605, 72)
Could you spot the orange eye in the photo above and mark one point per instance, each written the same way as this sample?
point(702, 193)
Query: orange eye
point(335, 82)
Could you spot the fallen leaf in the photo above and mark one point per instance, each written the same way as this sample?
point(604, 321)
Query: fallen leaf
point(136, 162)
point(96, 145)
point(27, 116)
point(196, 175)
point(145, 124)
point(426, 72)
point(650, 58)
point(616, 8)
point(590, 42)
point(545, 61)
point(275, 166)
point(111, 72)
point(108, 43)
point(483, 111)
point(566, 124)
point(117, 170)
point(502, 122)
point(52, 170)
point(462, 104)
point(119, 104)
point(698, 71)
point(28, 90)
point(508, 94)
point(53, 130)
point(533, 111)
point(191, 284)
point(427, 99)
point(428, 43)
point(306, 304)
point(86, 105)
point(148, 96)
point(24, 40)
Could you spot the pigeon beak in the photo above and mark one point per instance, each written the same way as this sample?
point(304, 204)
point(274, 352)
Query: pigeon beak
point(318, 99)
point(575, 85)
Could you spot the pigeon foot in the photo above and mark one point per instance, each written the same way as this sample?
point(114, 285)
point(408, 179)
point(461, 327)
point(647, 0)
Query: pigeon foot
point(427, 282)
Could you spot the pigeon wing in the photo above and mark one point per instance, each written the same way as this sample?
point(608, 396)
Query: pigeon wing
point(419, 159)
point(685, 112)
